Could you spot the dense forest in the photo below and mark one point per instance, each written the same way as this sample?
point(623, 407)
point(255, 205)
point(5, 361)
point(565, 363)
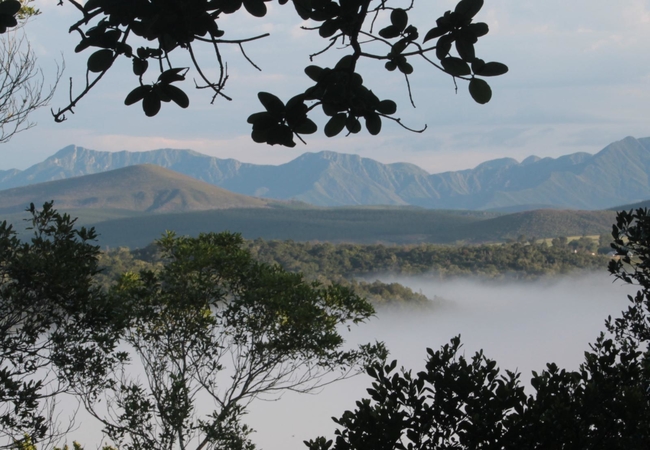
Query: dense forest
point(357, 265)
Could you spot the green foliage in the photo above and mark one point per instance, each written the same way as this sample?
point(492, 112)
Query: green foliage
point(516, 260)
point(27, 444)
point(51, 317)
point(150, 33)
point(467, 404)
point(211, 322)
point(344, 263)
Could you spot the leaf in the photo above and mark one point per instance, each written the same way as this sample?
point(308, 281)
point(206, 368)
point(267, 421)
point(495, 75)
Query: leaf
point(176, 95)
point(390, 66)
point(399, 18)
point(303, 8)
point(137, 94)
point(8, 21)
point(492, 69)
point(478, 29)
point(81, 46)
point(10, 7)
point(172, 75)
point(433, 33)
point(256, 8)
point(335, 125)
point(259, 136)
point(92, 4)
point(468, 8)
point(280, 134)
point(352, 124)
point(477, 65)
point(399, 46)
point(272, 103)
point(140, 66)
point(345, 63)
point(480, 91)
point(100, 61)
point(307, 126)
point(262, 120)
point(373, 124)
point(465, 50)
point(455, 66)
point(444, 46)
point(151, 104)
point(259, 116)
point(230, 6)
point(328, 28)
point(390, 32)
point(387, 107)
point(314, 72)
point(405, 68)
point(330, 109)
point(296, 104)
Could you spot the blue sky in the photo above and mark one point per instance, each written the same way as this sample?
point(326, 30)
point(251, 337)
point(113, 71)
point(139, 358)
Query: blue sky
point(579, 79)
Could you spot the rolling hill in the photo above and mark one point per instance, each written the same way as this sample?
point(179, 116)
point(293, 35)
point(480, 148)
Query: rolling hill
point(397, 225)
point(618, 174)
point(134, 205)
point(142, 188)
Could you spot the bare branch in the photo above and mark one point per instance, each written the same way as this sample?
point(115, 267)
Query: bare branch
point(22, 85)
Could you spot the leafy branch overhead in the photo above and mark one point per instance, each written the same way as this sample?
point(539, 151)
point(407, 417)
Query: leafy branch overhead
point(148, 32)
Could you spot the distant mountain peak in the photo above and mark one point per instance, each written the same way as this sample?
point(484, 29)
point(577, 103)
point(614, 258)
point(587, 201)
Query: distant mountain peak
point(530, 160)
point(618, 174)
point(497, 164)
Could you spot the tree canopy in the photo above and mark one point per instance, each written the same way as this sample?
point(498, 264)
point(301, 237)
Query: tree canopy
point(212, 330)
point(209, 330)
point(151, 33)
point(55, 324)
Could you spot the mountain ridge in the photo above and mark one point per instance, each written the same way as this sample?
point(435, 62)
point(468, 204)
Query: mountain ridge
point(143, 188)
point(618, 174)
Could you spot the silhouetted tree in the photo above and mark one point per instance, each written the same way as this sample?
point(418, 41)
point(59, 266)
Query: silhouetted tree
point(151, 33)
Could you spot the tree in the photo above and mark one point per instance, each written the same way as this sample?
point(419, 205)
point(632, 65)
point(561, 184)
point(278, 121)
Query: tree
point(212, 330)
point(22, 89)
point(53, 321)
point(467, 404)
point(150, 33)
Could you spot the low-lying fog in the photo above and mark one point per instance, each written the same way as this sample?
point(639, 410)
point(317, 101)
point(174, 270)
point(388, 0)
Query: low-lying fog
point(521, 325)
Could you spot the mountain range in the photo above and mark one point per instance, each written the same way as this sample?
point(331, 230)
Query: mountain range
point(618, 174)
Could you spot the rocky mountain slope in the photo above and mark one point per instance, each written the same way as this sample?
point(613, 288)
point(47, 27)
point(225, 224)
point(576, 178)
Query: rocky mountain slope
point(618, 174)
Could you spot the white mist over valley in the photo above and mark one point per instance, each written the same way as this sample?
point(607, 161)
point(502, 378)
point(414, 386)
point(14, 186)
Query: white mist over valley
point(522, 325)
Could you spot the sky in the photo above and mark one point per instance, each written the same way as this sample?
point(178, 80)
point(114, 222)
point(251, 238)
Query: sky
point(579, 79)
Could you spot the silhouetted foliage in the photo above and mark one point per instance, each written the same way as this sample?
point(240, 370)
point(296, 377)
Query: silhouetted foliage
point(150, 33)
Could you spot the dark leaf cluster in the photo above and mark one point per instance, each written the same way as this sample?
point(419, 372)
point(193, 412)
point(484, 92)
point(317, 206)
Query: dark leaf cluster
point(148, 32)
point(9, 11)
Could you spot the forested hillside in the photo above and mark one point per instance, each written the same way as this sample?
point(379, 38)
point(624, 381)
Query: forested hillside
point(359, 266)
